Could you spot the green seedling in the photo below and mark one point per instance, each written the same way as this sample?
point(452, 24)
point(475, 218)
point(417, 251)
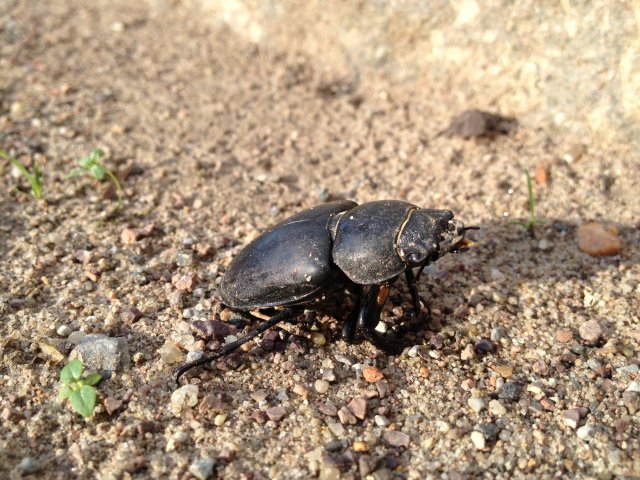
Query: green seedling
point(35, 178)
point(80, 391)
point(92, 166)
point(528, 226)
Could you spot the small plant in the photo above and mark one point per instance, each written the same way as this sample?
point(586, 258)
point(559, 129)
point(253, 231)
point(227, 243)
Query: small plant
point(528, 226)
point(35, 178)
point(80, 391)
point(92, 166)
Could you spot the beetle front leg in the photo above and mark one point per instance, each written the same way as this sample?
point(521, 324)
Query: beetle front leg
point(416, 321)
point(369, 316)
point(349, 328)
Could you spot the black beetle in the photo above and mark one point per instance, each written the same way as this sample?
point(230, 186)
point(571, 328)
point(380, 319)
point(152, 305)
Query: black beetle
point(330, 247)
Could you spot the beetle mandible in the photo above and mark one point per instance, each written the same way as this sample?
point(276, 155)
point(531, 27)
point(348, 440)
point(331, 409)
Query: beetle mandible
point(330, 247)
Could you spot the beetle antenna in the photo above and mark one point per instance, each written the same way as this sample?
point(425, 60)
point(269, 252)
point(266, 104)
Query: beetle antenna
point(230, 347)
point(464, 229)
point(420, 272)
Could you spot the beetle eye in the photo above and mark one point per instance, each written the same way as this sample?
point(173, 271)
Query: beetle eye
point(416, 258)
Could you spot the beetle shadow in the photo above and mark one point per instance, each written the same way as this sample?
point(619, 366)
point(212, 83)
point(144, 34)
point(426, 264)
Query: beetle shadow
point(506, 264)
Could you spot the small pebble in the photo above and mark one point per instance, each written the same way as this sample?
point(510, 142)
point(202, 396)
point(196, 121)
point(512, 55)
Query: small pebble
point(194, 355)
point(202, 468)
point(328, 409)
point(571, 417)
point(358, 407)
point(184, 259)
point(396, 439)
point(634, 387)
point(100, 352)
point(467, 353)
point(64, 331)
point(381, 420)
point(28, 466)
point(321, 386)
point(318, 339)
point(346, 417)
point(329, 375)
point(111, 404)
point(599, 240)
point(336, 428)
point(300, 391)
point(372, 374)
point(585, 432)
point(591, 331)
point(497, 334)
point(564, 336)
point(344, 359)
point(220, 419)
point(483, 346)
point(183, 397)
point(505, 371)
point(170, 353)
point(478, 440)
point(276, 413)
point(476, 404)
point(510, 391)
point(360, 446)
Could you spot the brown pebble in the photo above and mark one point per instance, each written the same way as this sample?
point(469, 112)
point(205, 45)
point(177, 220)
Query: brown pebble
point(591, 331)
point(184, 283)
point(396, 439)
point(547, 404)
point(424, 372)
point(175, 300)
point(146, 426)
point(215, 329)
point(131, 315)
point(129, 236)
point(259, 416)
point(328, 409)
point(572, 417)
point(599, 240)
point(346, 417)
point(541, 174)
point(212, 403)
point(372, 374)
point(358, 407)
point(276, 413)
point(112, 404)
point(564, 336)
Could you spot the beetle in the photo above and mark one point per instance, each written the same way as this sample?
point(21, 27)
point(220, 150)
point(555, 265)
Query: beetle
point(309, 256)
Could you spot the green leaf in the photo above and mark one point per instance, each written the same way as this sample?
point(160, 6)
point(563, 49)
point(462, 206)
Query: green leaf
point(92, 378)
point(72, 371)
point(75, 172)
point(83, 401)
point(65, 392)
point(86, 162)
point(98, 172)
point(96, 154)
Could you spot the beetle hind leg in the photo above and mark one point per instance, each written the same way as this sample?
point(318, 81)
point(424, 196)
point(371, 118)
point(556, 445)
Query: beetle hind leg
point(282, 316)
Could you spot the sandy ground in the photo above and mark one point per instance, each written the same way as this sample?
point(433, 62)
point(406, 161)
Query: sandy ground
point(220, 139)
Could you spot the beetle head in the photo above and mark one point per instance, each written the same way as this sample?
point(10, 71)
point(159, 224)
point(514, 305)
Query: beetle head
point(429, 234)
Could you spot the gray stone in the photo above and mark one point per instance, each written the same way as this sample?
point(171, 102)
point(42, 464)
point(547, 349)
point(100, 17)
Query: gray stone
point(100, 352)
point(202, 468)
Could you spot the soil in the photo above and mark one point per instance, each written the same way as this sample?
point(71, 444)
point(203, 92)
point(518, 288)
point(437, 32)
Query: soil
point(528, 368)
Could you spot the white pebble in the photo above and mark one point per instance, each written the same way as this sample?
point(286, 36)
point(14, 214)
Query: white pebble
point(478, 440)
point(321, 386)
point(202, 468)
point(585, 432)
point(476, 404)
point(381, 420)
point(634, 387)
point(183, 397)
point(64, 331)
point(497, 408)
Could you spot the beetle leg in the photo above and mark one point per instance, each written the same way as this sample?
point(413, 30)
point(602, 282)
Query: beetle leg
point(349, 328)
point(230, 347)
point(412, 282)
point(369, 316)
